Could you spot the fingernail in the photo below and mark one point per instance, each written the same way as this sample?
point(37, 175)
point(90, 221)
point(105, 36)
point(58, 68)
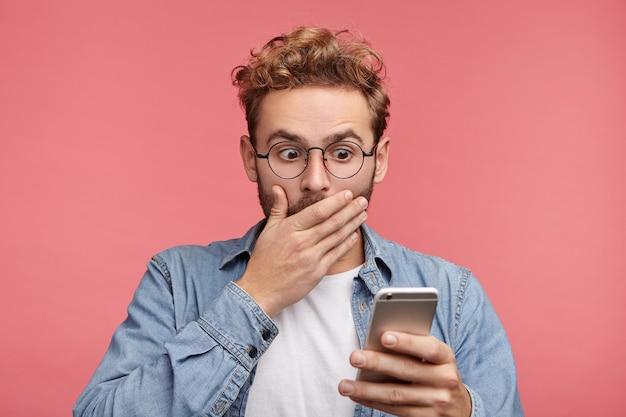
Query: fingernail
point(363, 202)
point(348, 195)
point(346, 387)
point(389, 340)
point(358, 359)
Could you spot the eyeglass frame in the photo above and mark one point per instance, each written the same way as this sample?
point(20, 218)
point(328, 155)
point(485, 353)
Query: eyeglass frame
point(308, 150)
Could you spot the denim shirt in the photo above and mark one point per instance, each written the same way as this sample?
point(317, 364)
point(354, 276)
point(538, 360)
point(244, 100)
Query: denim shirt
point(192, 338)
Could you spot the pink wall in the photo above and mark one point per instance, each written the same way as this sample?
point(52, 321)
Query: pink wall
point(119, 131)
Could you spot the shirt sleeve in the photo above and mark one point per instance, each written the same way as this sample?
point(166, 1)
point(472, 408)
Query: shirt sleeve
point(483, 353)
point(151, 369)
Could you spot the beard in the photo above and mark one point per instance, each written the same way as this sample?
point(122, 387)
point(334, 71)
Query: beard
point(266, 199)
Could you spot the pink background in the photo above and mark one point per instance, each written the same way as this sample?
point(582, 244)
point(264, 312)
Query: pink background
point(119, 130)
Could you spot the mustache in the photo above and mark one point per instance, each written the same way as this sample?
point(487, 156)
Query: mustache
point(303, 203)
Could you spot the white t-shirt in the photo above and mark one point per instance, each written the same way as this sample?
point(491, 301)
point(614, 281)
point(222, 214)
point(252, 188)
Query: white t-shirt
point(299, 373)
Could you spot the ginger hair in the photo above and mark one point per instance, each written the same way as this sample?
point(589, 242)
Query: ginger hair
point(313, 56)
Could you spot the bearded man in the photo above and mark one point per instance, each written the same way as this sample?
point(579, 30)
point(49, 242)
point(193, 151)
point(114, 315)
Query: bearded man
point(274, 323)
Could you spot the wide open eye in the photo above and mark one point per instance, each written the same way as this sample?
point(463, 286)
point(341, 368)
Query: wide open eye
point(341, 154)
point(290, 154)
point(343, 151)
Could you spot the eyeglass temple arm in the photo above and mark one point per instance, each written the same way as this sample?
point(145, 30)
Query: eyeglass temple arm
point(260, 155)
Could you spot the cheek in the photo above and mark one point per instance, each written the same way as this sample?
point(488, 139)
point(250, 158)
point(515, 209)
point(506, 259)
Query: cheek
point(356, 185)
point(267, 180)
point(291, 190)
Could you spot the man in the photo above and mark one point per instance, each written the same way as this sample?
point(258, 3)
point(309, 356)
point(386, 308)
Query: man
point(274, 323)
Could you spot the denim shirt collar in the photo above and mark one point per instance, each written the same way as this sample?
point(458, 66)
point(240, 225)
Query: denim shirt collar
point(370, 273)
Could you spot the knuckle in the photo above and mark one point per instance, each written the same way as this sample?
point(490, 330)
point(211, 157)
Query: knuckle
point(340, 246)
point(335, 240)
point(443, 398)
point(321, 231)
point(335, 222)
point(308, 257)
point(348, 243)
point(300, 256)
point(294, 222)
point(451, 379)
point(407, 369)
point(345, 232)
point(324, 265)
point(300, 243)
point(318, 212)
point(275, 211)
point(329, 257)
point(396, 397)
point(354, 223)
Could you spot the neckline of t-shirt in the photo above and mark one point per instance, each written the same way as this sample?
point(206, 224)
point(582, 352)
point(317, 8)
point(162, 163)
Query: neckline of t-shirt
point(352, 272)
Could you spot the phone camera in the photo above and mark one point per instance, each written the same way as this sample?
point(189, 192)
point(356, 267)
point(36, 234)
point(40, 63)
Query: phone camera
point(388, 296)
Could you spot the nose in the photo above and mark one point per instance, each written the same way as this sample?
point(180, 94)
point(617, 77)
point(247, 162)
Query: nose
point(315, 177)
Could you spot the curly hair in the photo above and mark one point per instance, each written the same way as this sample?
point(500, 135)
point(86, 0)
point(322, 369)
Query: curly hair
point(315, 56)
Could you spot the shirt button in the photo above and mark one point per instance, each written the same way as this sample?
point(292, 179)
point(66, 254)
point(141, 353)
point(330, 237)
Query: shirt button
point(252, 352)
point(266, 334)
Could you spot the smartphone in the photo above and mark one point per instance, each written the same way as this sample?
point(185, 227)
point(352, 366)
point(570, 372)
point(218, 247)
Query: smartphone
point(409, 310)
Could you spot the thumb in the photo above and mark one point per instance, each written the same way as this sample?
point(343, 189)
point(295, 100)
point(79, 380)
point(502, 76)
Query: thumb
point(279, 205)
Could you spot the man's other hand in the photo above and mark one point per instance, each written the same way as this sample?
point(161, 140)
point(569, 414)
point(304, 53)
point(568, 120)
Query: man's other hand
point(433, 384)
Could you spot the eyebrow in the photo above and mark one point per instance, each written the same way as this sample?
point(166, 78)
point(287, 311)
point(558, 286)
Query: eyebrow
point(335, 137)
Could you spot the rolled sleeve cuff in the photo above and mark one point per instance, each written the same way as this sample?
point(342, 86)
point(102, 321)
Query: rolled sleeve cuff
point(239, 324)
point(476, 403)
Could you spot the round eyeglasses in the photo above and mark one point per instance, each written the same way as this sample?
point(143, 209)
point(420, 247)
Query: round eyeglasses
point(342, 159)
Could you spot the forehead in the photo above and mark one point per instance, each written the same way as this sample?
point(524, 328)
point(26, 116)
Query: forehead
point(314, 114)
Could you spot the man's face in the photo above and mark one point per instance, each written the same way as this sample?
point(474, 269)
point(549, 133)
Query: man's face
point(310, 116)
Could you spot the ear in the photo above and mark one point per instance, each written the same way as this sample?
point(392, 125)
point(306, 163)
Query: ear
point(248, 157)
point(382, 157)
